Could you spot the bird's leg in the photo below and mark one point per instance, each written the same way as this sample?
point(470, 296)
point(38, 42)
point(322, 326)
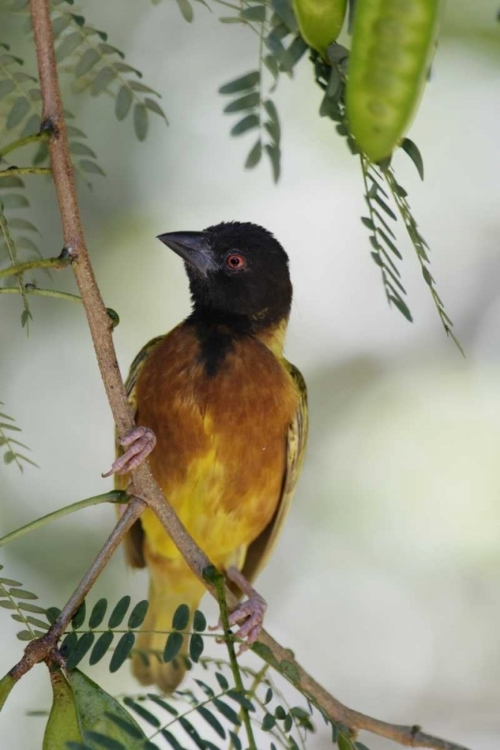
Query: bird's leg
point(139, 443)
point(250, 613)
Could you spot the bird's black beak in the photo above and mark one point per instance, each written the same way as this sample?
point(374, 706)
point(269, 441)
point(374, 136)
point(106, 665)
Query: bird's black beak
point(193, 247)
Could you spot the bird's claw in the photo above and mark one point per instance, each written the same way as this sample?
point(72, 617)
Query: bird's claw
point(251, 616)
point(139, 443)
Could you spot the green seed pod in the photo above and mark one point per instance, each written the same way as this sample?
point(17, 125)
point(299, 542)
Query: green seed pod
point(62, 725)
point(320, 21)
point(392, 47)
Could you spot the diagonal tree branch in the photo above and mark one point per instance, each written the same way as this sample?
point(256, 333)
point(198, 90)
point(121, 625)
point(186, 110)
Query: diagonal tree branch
point(144, 485)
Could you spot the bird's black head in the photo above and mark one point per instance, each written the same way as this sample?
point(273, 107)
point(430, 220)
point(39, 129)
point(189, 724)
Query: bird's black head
point(235, 269)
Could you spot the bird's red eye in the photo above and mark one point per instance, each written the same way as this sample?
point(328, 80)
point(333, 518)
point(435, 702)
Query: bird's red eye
point(235, 261)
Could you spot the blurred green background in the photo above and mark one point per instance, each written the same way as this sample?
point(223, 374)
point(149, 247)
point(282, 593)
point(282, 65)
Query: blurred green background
point(386, 581)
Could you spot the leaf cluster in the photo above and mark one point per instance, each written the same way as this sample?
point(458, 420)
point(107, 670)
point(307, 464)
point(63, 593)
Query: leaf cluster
point(258, 108)
point(11, 445)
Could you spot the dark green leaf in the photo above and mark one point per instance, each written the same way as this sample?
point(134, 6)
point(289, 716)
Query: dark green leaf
point(231, 19)
point(102, 80)
point(22, 594)
point(14, 200)
point(173, 742)
point(52, 613)
point(87, 61)
point(123, 102)
point(141, 121)
point(223, 683)
point(360, 746)
point(275, 158)
point(268, 722)
point(249, 101)
point(82, 647)
point(254, 155)
point(6, 86)
point(8, 581)
point(385, 207)
point(68, 644)
point(138, 86)
point(269, 695)
point(199, 621)
point(124, 721)
point(81, 149)
point(235, 740)
point(284, 11)
point(390, 244)
point(161, 702)
point(256, 13)
point(18, 112)
point(91, 167)
point(226, 711)
point(138, 614)
point(196, 647)
point(34, 608)
point(25, 635)
point(243, 126)
point(248, 81)
point(68, 45)
point(153, 105)
point(280, 713)
point(212, 720)
point(122, 651)
point(180, 620)
point(101, 647)
point(402, 307)
point(288, 723)
point(172, 646)
point(11, 182)
point(413, 152)
point(119, 612)
point(59, 24)
point(98, 613)
point(186, 10)
point(79, 617)
point(108, 49)
point(142, 712)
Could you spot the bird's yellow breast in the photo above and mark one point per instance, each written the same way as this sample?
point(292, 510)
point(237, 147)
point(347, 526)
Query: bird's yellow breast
point(221, 440)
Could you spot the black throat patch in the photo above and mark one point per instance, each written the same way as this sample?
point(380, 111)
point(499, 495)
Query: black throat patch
point(216, 333)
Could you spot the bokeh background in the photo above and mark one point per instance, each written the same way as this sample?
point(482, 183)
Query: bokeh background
point(386, 581)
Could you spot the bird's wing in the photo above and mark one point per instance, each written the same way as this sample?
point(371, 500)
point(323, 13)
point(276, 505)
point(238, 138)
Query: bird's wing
point(133, 541)
point(260, 549)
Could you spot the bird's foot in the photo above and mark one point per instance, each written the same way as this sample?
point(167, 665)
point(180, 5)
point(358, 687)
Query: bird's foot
point(249, 614)
point(139, 443)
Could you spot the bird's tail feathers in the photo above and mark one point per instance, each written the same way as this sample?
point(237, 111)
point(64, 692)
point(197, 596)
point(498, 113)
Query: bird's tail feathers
point(165, 596)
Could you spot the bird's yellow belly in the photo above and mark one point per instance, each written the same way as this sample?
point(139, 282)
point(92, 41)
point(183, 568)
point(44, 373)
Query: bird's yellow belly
point(222, 514)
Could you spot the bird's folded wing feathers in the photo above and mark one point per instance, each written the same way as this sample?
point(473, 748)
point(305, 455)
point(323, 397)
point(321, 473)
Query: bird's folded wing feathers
point(133, 540)
point(261, 548)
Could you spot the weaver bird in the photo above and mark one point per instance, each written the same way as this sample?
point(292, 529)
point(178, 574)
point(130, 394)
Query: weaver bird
point(229, 415)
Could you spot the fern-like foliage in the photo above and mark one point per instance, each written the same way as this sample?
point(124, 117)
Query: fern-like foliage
point(19, 601)
point(11, 446)
point(273, 29)
point(332, 78)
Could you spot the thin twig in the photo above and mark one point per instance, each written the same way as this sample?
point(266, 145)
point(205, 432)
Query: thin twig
point(115, 496)
point(20, 171)
point(30, 265)
point(217, 579)
point(20, 142)
point(144, 485)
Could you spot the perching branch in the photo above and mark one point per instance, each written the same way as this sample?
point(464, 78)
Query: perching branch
point(144, 485)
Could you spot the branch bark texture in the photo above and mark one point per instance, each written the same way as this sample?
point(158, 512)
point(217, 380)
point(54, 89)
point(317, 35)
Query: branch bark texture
point(144, 485)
